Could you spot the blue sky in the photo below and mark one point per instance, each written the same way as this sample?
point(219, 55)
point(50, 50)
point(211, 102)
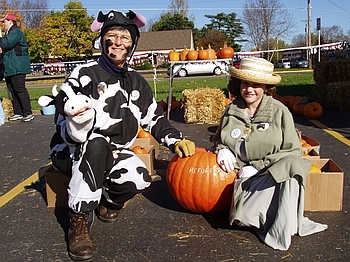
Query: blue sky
point(331, 12)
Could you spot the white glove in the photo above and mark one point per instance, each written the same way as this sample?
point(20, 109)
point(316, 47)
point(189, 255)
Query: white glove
point(226, 160)
point(247, 171)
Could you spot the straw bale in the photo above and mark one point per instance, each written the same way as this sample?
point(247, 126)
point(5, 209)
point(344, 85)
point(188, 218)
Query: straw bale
point(203, 105)
point(332, 71)
point(7, 106)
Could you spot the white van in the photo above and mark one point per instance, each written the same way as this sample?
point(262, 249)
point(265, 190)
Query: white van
point(284, 62)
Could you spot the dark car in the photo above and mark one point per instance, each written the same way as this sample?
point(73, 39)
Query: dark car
point(304, 63)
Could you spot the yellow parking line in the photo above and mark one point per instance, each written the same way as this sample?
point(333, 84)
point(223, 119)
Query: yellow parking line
point(330, 131)
point(4, 199)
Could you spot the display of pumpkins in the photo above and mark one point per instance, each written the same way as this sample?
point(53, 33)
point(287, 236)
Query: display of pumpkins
point(201, 54)
point(198, 184)
point(299, 106)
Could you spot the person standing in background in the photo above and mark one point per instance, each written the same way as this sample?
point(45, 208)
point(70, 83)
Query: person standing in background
point(16, 65)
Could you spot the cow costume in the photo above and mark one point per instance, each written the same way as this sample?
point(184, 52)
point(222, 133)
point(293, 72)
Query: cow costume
point(100, 108)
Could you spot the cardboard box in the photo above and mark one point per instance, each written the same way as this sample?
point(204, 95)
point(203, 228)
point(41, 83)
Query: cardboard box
point(147, 142)
point(314, 144)
point(311, 155)
point(56, 188)
point(324, 191)
point(148, 158)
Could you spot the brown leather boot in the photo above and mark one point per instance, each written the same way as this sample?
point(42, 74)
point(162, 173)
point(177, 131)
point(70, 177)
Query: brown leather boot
point(107, 212)
point(80, 244)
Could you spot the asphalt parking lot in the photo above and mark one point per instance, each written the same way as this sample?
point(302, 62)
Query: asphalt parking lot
point(153, 227)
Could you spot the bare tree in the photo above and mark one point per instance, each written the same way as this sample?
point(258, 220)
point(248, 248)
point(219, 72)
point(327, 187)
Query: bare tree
point(333, 34)
point(299, 40)
point(33, 12)
point(266, 19)
point(179, 7)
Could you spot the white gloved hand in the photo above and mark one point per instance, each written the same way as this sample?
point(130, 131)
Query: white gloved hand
point(226, 159)
point(247, 171)
point(79, 131)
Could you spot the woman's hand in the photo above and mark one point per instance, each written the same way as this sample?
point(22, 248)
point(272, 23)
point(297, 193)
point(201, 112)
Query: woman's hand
point(226, 160)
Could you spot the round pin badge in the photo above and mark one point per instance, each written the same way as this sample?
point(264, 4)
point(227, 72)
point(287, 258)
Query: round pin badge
point(235, 133)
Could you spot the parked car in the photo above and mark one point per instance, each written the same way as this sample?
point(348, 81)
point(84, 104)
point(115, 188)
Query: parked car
point(198, 68)
point(299, 63)
point(283, 63)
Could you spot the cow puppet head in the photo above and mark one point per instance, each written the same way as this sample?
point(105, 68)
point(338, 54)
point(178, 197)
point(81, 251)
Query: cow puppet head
point(72, 101)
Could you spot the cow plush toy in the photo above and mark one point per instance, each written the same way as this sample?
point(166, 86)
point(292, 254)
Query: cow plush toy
point(73, 102)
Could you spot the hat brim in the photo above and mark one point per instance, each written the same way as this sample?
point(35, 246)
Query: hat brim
point(246, 75)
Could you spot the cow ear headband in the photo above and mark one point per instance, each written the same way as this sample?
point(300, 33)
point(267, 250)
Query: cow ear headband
point(138, 19)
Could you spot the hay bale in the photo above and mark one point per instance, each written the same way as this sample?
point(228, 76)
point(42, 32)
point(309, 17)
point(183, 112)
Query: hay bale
point(203, 105)
point(7, 106)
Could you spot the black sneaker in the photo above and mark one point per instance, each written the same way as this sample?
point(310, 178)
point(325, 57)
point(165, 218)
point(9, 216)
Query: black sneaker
point(15, 117)
point(27, 118)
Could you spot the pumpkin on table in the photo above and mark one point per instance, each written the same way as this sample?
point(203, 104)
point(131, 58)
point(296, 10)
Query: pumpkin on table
point(198, 184)
point(183, 54)
point(225, 52)
point(174, 55)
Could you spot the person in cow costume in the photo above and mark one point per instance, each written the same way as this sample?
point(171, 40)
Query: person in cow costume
point(100, 108)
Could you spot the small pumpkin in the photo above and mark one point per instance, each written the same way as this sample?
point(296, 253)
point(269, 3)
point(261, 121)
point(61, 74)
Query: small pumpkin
point(174, 55)
point(192, 55)
point(139, 150)
point(211, 53)
point(312, 110)
point(198, 184)
point(315, 169)
point(143, 134)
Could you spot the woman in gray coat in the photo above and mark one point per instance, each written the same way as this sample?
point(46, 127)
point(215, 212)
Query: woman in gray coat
point(257, 137)
point(16, 66)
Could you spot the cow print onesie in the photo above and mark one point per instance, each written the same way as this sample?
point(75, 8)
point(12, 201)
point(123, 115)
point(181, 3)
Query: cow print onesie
point(104, 163)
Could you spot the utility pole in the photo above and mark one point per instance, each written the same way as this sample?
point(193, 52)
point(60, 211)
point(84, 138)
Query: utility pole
point(309, 32)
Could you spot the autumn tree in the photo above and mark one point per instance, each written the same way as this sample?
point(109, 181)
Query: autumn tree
point(229, 25)
point(213, 38)
point(266, 19)
point(68, 33)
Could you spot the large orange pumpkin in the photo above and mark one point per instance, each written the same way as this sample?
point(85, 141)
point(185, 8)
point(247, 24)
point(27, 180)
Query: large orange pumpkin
point(198, 184)
point(313, 110)
point(225, 52)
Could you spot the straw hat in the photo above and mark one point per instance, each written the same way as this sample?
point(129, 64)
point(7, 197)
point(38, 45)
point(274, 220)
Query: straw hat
point(256, 69)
